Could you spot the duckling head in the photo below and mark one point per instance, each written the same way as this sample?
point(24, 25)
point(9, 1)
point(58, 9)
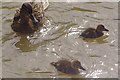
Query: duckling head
point(101, 28)
point(26, 13)
point(77, 65)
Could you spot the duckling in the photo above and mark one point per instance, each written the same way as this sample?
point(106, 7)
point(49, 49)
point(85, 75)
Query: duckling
point(68, 67)
point(28, 18)
point(94, 33)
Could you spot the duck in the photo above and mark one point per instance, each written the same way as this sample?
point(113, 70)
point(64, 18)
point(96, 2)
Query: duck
point(68, 67)
point(29, 18)
point(94, 33)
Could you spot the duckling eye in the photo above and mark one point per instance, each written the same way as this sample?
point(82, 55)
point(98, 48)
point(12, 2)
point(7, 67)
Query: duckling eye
point(77, 63)
point(101, 26)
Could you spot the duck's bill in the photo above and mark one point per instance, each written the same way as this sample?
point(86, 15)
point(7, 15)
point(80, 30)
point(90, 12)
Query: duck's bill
point(33, 19)
point(82, 68)
point(106, 30)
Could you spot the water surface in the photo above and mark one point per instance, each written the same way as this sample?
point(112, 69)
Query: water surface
point(29, 56)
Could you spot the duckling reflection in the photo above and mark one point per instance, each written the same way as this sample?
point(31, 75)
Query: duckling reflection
point(100, 40)
point(94, 33)
point(68, 67)
point(28, 18)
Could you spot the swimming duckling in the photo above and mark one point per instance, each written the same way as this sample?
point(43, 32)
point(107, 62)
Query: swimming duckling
point(68, 67)
point(28, 18)
point(94, 33)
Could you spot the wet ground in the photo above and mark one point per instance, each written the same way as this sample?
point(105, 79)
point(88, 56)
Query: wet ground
point(29, 56)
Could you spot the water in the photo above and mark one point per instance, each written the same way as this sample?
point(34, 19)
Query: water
point(29, 56)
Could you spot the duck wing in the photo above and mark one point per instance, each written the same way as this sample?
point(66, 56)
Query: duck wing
point(44, 2)
point(89, 33)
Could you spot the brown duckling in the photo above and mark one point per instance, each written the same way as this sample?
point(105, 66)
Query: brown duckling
point(68, 67)
point(28, 18)
point(94, 33)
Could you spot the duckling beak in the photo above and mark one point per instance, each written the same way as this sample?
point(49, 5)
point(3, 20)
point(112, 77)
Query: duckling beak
point(82, 68)
point(33, 19)
point(106, 30)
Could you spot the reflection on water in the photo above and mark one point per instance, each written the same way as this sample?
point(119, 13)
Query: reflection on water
point(29, 56)
point(25, 45)
point(100, 40)
point(81, 9)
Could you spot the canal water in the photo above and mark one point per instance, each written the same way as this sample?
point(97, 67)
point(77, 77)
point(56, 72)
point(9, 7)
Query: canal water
point(29, 56)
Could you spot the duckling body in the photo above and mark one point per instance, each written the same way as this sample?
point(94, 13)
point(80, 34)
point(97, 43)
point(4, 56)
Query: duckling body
point(94, 33)
point(68, 67)
point(28, 18)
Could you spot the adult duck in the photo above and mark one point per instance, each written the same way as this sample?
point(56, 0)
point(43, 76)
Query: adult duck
point(29, 18)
